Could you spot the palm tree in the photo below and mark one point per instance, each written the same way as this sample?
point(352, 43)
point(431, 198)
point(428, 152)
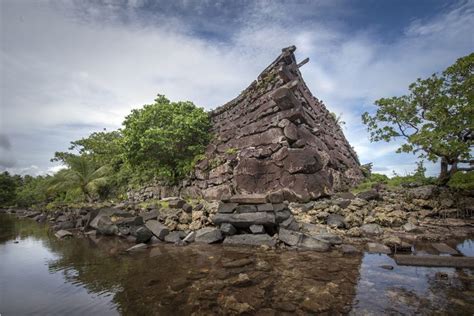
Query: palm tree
point(82, 173)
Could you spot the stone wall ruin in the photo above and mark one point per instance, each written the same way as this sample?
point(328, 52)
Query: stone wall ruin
point(275, 138)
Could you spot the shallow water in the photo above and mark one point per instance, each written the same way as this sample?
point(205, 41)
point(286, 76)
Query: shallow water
point(41, 275)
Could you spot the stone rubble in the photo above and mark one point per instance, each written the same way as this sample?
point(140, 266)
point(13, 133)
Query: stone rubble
point(395, 221)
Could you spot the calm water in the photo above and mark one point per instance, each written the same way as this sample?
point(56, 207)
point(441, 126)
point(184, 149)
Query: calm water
point(40, 275)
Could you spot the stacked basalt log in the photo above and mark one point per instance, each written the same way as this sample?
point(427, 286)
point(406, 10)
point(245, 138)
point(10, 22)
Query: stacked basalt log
point(275, 137)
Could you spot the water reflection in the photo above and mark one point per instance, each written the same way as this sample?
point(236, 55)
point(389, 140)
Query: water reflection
point(385, 288)
point(43, 275)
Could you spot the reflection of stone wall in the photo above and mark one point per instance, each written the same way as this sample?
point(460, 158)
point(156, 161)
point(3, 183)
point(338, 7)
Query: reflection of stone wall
point(275, 135)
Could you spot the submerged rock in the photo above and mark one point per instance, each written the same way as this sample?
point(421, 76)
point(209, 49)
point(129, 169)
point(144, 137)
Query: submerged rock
point(378, 248)
point(63, 233)
point(314, 244)
point(237, 263)
point(250, 240)
point(138, 247)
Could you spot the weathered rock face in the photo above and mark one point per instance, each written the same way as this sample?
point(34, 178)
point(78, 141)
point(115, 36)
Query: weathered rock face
point(275, 136)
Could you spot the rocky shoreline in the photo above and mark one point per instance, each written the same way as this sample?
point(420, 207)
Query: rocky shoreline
point(382, 220)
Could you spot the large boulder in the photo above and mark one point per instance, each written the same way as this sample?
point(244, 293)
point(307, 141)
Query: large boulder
point(281, 216)
point(250, 240)
point(129, 221)
point(176, 203)
point(369, 195)
point(158, 229)
point(228, 229)
point(290, 237)
point(245, 220)
point(65, 225)
point(208, 235)
point(290, 223)
point(153, 214)
point(175, 236)
point(110, 212)
point(336, 221)
point(143, 235)
point(105, 225)
point(371, 229)
point(423, 193)
point(329, 238)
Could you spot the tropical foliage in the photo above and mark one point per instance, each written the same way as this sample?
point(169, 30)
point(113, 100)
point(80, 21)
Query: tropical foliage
point(160, 141)
point(165, 136)
point(7, 188)
point(435, 120)
point(83, 174)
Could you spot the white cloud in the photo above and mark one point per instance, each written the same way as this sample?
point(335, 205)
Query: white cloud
point(69, 68)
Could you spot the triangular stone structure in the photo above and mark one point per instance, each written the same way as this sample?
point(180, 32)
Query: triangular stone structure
point(275, 138)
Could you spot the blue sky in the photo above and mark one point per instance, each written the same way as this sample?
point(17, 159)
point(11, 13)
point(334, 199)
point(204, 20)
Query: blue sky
point(69, 68)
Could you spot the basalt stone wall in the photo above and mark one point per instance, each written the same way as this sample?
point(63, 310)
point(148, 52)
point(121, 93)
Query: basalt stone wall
point(275, 137)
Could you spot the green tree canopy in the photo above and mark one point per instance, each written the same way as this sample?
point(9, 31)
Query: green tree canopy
point(104, 148)
point(7, 188)
point(34, 190)
point(165, 136)
point(436, 119)
point(83, 174)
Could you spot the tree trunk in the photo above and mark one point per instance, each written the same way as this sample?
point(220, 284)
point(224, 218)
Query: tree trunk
point(454, 168)
point(446, 172)
point(86, 194)
point(444, 175)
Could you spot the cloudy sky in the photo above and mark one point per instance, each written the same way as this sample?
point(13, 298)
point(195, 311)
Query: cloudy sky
point(69, 68)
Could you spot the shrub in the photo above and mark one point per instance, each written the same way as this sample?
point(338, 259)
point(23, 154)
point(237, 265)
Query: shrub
point(165, 137)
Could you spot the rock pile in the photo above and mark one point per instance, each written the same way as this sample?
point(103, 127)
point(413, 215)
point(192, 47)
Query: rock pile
point(393, 217)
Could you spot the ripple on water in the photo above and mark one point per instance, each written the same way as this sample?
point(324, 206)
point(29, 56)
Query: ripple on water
point(43, 275)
